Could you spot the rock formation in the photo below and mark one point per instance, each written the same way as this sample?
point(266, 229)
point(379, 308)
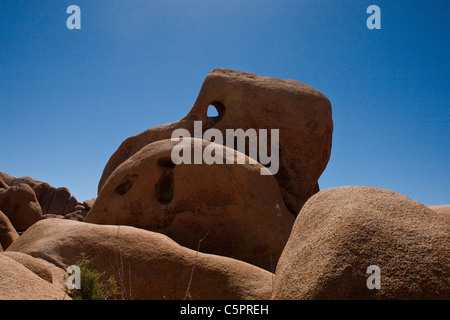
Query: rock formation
point(240, 211)
point(159, 268)
point(340, 232)
point(20, 205)
point(248, 101)
point(7, 232)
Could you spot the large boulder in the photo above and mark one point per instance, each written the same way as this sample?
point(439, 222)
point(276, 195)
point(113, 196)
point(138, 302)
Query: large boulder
point(88, 204)
point(20, 205)
point(248, 101)
point(7, 232)
point(52, 200)
point(57, 201)
point(341, 232)
point(240, 211)
point(38, 187)
point(151, 264)
point(31, 281)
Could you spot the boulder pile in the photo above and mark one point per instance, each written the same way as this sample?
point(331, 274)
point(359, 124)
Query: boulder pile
point(168, 229)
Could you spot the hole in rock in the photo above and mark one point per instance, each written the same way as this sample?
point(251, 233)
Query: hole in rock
point(164, 187)
point(125, 186)
point(212, 112)
point(166, 163)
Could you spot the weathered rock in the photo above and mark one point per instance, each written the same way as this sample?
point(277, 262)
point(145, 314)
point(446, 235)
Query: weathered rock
point(59, 201)
point(7, 232)
point(43, 269)
point(25, 180)
point(70, 205)
point(6, 178)
point(46, 199)
point(340, 232)
point(159, 267)
point(443, 211)
point(3, 184)
point(78, 215)
point(33, 264)
point(248, 101)
point(20, 205)
point(240, 210)
point(52, 216)
point(89, 203)
point(79, 207)
point(20, 282)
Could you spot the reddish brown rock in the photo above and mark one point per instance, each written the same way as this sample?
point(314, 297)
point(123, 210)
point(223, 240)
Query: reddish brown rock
point(59, 201)
point(248, 101)
point(340, 232)
point(25, 180)
point(3, 184)
point(46, 199)
point(78, 215)
point(20, 205)
point(70, 205)
point(7, 232)
point(52, 216)
point(89, 203)
point(6, 178)
point(244, 215)
point(159, 267)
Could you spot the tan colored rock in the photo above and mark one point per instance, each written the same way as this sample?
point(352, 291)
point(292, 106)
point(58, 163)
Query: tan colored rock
point(443, 211)
point(7, 232)
point(244, 100)
point(33, 264)
point(20, 205)
point(17, 282)
point(159, 267)
point(340, 232)
point(240, 210)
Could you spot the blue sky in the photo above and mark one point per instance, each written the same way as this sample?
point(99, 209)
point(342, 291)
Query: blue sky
point(68, 98)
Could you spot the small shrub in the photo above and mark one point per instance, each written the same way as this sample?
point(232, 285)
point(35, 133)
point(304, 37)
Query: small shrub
point(93, 285)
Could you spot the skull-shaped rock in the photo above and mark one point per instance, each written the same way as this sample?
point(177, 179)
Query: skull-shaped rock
point(248, 101)
point(238, 212)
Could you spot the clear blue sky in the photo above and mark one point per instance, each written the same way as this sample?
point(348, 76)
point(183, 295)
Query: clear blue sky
point(68, 98)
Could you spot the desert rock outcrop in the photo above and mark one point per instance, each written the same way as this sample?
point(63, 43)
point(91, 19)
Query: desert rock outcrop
point(240, 211)
point(340, 232)
point(248, 101)
point(159, 267)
